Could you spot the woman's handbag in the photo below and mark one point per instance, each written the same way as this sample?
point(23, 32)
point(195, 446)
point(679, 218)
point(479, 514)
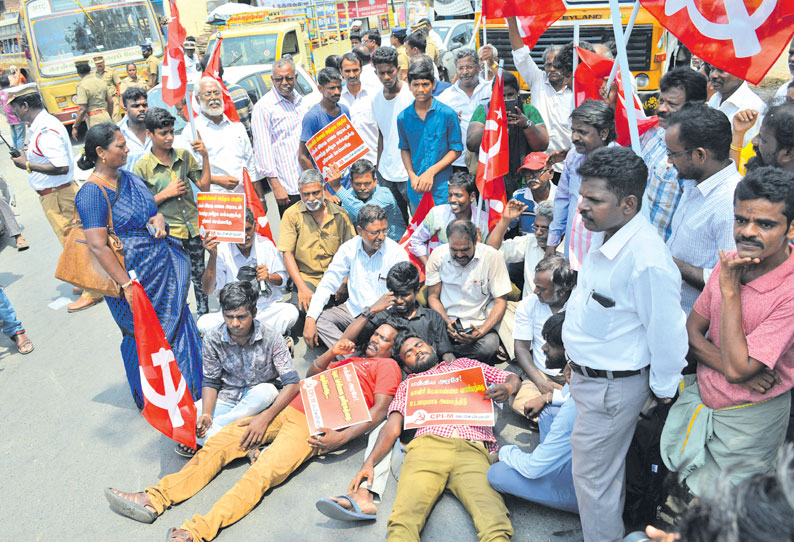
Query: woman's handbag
point(78, 265)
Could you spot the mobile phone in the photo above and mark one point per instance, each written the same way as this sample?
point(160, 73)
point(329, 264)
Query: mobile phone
point(151, 229)
point(458, 325)
point(603, 300)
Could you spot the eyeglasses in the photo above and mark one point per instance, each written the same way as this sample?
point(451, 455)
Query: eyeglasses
point(288, 79)
point(212, 94)
point(537, 228)
point(379, 232)
point(674, 154)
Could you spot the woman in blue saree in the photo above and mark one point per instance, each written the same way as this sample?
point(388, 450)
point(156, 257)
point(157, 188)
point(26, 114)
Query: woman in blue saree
point(161, 266)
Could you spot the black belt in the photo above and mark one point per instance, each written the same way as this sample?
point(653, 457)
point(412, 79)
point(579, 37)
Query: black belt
point(600, 373)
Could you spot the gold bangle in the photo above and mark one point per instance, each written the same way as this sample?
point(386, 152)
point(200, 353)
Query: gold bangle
point(127, 285)
point(735, 148)
point(27, 166)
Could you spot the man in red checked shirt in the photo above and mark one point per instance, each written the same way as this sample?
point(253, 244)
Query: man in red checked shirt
point(454, 457)
point(290, 447)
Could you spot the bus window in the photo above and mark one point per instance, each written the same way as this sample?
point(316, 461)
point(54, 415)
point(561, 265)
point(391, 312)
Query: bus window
point(249, 50)
point(290, 46)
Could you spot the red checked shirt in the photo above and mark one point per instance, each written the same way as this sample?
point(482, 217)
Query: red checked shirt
point(468, 432)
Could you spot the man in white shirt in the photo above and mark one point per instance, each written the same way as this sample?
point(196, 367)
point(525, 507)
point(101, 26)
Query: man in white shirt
point(223, 266)
point(132, 126)
point(554, 282)
point(624, 334)
point(48, 161)
point(467, 284)
point(364, 261)
point(386, 105)
point(368, 76)
point(227, 142)
point(467, 93)
point(358, 99)
point(193, 67)
point(550, 95)
point(698, 140)
point(734, 95)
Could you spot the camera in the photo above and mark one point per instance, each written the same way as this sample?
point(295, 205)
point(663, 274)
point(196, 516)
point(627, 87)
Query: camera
point(248, 274)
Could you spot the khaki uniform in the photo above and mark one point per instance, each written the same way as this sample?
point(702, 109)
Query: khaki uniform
point(153, 67)
point(432, 51)
point(403, 61)
point(112, 80)
point(94, 93)
point(127, 83)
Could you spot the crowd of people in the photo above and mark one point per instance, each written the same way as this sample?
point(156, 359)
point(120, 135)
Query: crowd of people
point(613, 282)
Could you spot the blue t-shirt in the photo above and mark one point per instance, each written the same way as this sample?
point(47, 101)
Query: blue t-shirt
point(428, 141)
point(316, 119)
point(441, 86)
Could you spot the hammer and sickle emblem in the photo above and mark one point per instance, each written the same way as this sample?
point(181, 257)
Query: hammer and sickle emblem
point(169, 399)
point(740, 28)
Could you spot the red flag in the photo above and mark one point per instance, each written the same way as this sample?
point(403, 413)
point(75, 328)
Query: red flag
point(168, 406)
point(253, 203)
point(534, 18)
point(425, 204)
point(741, 37)
point(494, 153)
point(591, 72)
point(644, 123)
point(174, 74)
point(213, 70)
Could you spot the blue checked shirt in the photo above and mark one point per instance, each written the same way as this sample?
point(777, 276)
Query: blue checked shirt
point(664, 188)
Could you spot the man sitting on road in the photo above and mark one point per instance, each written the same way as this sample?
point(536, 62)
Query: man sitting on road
point(258, 254)
point(544, 476)
point(468, 285)
point(242, 359)
point(364, 261)
point(284, 427)
point(456, 457)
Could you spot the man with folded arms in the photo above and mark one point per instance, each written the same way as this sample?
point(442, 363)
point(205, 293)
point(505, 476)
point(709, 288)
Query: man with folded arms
point(284, 426)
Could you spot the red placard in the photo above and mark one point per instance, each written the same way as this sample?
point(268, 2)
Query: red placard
point(362, 8)
point(334, 399)
point(337, 144)
point(449, 398)
point(223, 214)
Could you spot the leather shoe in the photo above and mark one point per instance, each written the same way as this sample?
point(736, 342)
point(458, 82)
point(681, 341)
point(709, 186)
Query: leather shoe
point(83, 303)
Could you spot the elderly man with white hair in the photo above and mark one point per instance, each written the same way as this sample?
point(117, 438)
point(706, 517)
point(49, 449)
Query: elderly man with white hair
point(227, 142)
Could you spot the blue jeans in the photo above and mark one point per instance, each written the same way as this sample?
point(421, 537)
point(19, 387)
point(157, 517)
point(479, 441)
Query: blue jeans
point(8, 317)
point(18, 135)
point(554, 490)
point(254, 400)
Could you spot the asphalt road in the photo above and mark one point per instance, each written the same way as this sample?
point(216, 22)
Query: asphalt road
point(70, 429)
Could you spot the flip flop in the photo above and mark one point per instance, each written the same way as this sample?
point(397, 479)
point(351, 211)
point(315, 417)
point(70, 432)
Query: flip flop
point(129, 509)
point(336, 511)
point(184, 451)
point(25, 347)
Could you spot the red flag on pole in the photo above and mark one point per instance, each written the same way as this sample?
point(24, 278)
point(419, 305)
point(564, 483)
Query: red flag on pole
point(253, 203)
point(425, 204)
point(644, 123)
point(168, 406)
point(494, 154)
point(174, 72)
point(591, 72)
point(533, 17)
point(741, 37)
point(213, 70)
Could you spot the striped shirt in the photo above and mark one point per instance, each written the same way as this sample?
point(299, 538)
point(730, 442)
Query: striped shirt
point(702, 225)
point(276, 124)
point(664, 188)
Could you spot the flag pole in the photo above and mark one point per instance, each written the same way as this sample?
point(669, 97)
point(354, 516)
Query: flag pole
point(189, 108)
point(628, 93)
point(575, 62)
point(634, 11)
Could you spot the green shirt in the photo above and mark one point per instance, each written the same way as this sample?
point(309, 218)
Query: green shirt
point(480, 115)
point(181, 212)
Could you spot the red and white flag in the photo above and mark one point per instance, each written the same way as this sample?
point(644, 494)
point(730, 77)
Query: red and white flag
point(252, 202)
point(644, 122)
point(213, 70)
point(741, 37)
point(425, 204)
point(494, 155)
point(174, 71)
point(533, 17)
point(168, 406)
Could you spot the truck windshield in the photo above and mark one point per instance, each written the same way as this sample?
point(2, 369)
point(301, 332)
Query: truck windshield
point(116, 32)
point(249, 50)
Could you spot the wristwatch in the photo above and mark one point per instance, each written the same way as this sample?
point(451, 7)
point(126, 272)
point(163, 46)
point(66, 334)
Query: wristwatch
point(367, 313)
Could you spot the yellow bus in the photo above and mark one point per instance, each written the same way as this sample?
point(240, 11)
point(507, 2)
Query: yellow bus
point(11, 53)
point(650, 47)
point(56, 33)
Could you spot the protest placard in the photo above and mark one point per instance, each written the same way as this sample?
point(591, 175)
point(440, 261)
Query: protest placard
point(337, 144)
point(334, 399)
point(449, 398)
point(222, 214)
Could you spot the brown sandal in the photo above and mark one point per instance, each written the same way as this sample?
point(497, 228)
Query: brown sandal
point(135, 506)
point(24, 344)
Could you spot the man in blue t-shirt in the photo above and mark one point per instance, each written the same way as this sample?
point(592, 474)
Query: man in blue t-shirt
point(429, 137)
point(330, 82)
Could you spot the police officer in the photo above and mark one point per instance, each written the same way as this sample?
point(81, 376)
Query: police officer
point(112, 80)
point(152, 65)
point(94, 100)
point(50, 167)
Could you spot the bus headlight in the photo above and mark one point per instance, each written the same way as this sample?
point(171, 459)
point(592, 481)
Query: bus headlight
point(642, 80)
point(74, 99)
